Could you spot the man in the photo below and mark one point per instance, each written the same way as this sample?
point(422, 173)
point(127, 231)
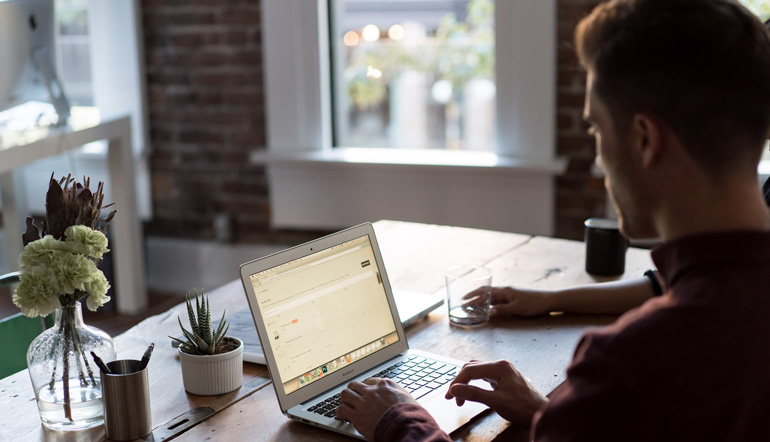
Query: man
point(679, 102)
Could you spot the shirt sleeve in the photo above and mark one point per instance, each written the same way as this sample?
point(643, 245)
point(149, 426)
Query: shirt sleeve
point(591, 405)
point(408, 423)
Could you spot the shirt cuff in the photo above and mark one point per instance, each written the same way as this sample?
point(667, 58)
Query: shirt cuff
point(406, 423)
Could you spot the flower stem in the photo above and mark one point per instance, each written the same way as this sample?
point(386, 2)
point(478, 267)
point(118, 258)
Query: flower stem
point(66, 373)
point(80, 355)
point(52, 356)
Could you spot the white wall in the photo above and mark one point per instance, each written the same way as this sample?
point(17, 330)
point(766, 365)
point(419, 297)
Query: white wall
point(179, 266)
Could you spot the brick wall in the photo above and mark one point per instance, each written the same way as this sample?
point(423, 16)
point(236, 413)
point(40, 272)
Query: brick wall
point(206, 114)
point(579, 195)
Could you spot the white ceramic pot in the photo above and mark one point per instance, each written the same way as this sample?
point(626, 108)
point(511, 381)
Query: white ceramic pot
point(209, 375)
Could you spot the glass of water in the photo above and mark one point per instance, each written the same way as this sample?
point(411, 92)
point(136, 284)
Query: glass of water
point(468, 290)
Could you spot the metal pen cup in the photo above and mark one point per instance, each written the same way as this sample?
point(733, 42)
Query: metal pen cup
point(126, 397)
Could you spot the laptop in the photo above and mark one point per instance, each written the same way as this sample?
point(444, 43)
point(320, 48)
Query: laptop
point(326, 315)
point(413, 306)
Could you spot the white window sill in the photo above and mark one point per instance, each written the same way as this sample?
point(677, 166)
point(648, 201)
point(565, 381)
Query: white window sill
point(342, 187)
point(411, 159)
point(764, 170)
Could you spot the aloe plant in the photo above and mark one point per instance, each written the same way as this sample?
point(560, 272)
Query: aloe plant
point(202, 339)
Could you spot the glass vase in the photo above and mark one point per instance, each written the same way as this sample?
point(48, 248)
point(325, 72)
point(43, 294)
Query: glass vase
point(65, 378)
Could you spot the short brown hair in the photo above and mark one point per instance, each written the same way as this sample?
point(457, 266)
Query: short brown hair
point(703, 66)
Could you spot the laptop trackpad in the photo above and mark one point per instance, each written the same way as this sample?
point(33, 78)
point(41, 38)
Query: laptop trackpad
point(448, 415)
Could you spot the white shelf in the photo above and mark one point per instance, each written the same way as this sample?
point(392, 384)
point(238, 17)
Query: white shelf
point(18, 149)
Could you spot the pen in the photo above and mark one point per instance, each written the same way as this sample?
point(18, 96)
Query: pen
point(146, 358)
point(99, 363)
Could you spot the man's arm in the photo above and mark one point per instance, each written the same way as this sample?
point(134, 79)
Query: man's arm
point(603, 298)
point(408, 423)
point(595, 403)
point(382, 410)
point(512, 396)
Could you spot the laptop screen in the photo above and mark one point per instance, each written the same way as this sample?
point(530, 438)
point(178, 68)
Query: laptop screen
point(324, 311)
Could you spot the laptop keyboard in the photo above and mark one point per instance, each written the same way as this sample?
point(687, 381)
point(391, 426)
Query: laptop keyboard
point(417, 375)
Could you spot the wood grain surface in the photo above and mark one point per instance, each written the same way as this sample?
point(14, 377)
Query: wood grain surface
point(168, 398)
point(415, 256)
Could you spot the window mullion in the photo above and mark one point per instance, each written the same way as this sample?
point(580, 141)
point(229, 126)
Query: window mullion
point(526, 78)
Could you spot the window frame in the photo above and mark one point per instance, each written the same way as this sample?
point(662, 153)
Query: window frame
point(525, 72)
point(297, 67)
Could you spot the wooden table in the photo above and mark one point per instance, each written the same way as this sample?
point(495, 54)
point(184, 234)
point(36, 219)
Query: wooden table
point(415, 256)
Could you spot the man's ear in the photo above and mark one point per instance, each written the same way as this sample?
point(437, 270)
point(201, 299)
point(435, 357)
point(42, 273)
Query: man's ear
point(646, 132)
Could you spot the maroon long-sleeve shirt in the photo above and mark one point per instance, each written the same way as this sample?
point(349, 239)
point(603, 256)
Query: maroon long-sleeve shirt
point(691, 365)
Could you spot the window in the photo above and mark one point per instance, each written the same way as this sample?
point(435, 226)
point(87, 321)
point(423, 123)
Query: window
point(313, 185)
point(299, 105)
point(414, 74)
point(73, 57)
point(99, 63)
point(762, 9)
point(759, 7)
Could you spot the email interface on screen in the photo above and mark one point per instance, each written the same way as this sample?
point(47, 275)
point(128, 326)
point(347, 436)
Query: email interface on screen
point(324, 311)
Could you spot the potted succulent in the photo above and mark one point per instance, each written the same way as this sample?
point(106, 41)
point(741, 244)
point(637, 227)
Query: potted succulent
point(212, 363)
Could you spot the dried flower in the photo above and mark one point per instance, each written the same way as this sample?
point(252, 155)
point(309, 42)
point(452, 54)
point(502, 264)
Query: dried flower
point(59, 265)
point(71, 205)
point(60, 268)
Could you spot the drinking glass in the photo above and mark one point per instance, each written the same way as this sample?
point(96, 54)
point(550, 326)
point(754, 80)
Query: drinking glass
point(469, 294)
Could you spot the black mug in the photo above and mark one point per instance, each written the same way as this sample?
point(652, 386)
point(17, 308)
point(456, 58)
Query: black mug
point(605, 247)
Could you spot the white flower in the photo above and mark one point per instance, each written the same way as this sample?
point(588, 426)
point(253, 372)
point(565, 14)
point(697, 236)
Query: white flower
point(56, 273)
point(41, 252)
point(72, 271)
point(97, 288)
point(37, 294)
point(86, 241)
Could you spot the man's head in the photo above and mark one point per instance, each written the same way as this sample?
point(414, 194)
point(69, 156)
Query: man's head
point(698, 69)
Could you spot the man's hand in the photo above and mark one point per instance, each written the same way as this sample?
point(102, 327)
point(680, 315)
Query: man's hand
point(512, 397)
point(509, 301)
point(364, 404)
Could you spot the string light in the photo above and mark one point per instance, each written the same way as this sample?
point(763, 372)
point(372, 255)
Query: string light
point(350, 38)
point(396, 32)
point(370, 33)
